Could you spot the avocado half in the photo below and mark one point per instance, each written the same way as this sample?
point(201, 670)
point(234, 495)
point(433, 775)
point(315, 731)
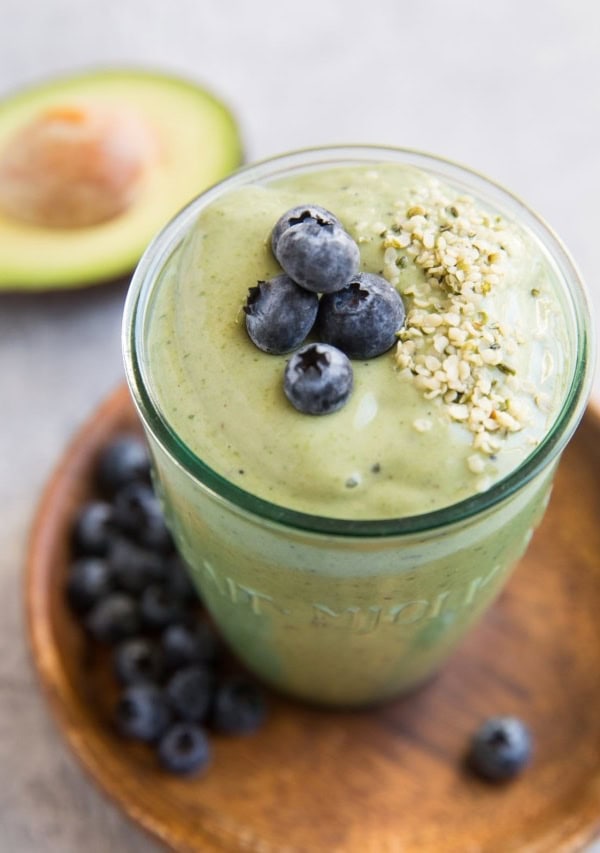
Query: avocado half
point(199, 142)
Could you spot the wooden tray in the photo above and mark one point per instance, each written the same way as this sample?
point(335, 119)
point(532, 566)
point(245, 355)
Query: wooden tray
point(388, 780)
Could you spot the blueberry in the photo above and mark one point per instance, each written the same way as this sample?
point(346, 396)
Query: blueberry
point(318, 379)
point(138, 513)
point(142, 712)
point(94, 529)
point(124, 460)
point(89, 581)
point(299, 214)
point(238, 707)
point(114, 618)
point(133, 567)
point(138, 661)
point(186, 644)
point(190, 693)
point(314, 249)
point(184, 749)
point(500, 748)
point(279, 314)
point(178, 581)
point(160, 607)
point(363, 318)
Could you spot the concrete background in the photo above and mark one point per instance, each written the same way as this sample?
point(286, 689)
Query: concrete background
point(510, 88)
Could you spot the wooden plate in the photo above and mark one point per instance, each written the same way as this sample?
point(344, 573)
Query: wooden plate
point(388, 780)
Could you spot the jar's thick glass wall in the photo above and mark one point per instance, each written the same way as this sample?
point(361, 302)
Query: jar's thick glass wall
point(340, 621)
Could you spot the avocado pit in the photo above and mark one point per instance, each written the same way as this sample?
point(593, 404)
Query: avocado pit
point(75, 165)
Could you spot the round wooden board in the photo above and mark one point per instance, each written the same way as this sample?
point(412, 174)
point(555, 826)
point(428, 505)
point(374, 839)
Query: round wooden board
point(389, 779)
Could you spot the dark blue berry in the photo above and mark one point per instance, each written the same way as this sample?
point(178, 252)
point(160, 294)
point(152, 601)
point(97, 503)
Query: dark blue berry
point(190, 693)
point(184, 644)
point(94, 529)
point(301, 213)
point(363, 318)
point(138, 661)
point(160, 607)
point(178, 581)
point(314, 249)
point(142, 712)
point(279, 314)
point(124, 460)
point(114, 618)
point(138, 513)
point(318, 379)
point(239, 707)
point(184, 749)
point(89, 581)
point(134, 568)
point(500, 749)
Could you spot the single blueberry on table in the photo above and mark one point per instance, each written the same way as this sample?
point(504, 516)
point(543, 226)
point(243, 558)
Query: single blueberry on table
point(114, 618)
point(190, 692)
point(138, 661)
point(142, 712)
point(184, 749)
point(363, 318)
point(314, 249)
point(500, 749)
point(124, 460)
point(89, 580)
point(279, 314)
point(239, 707)
point(318, 379)
point(94, 529)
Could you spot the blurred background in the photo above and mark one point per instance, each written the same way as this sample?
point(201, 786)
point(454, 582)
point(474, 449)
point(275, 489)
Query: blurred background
point(510, 89)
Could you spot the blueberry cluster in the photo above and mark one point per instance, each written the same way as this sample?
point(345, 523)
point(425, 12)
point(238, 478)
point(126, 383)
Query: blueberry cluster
point(353, 314)
point(131, 592)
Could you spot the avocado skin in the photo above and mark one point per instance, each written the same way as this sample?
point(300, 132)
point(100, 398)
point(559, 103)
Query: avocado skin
point(36, 259)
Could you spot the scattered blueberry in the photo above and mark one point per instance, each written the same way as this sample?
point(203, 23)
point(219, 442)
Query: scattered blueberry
point(184, 644)
point(160, 607)
point(138, 661)
point(94, 529)
point(177, 579)
point(138, 514)
point(142, 712)
point(318, 379)
point(238, 707)
point(279, 314)
point(114, 618)
point(123, 461)
point(184, 749)
point(363, 318)
point(134, 568)
point(88, 582)
point(314, 249)
point(500, 749)
point(189, 692)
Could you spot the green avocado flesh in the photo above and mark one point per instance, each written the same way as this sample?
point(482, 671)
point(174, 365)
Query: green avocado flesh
point(199, 142)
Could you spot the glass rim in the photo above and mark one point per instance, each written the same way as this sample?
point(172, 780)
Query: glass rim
point(168, 239)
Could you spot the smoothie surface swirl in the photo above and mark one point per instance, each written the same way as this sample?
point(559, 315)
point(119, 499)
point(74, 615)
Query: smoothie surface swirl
point(472, 387)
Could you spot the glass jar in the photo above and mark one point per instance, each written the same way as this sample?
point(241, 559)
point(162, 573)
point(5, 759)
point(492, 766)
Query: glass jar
point(339, 611)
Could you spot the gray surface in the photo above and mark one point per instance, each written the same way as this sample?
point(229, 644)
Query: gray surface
point(511, 89)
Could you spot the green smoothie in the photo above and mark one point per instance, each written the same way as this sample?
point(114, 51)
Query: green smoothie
point(367, 602)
